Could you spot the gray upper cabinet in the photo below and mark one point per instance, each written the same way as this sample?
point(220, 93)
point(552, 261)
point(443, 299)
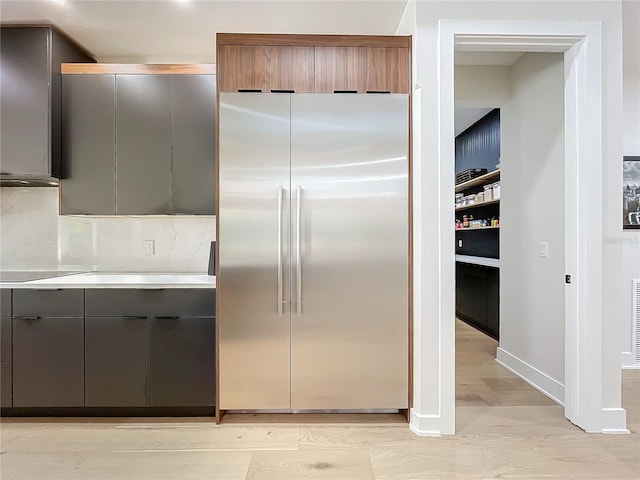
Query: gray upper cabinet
point(139, 144)
point(143, 144)
point(89, 107)
point(30, 101)
point(194, 147)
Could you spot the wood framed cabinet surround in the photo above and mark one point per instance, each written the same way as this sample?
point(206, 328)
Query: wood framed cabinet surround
point(314, 63)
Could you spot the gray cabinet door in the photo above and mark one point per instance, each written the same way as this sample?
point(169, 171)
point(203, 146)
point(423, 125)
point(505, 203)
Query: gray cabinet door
point(6, 384)
point(117, 372)
point(182, 362)
point(143, 144)
point(48, 362)
point(5, 339)
point(88, 145)
point(194, 143)
point(24, 100)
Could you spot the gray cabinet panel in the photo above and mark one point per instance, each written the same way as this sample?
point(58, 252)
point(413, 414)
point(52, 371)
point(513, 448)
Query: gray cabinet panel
point(196, 302)
point(88, 143)
point(194, 142)
point(5, 302)
point(61, 52)
point(5, 339)
point(143, 148)
point(24, 100)
point(48, 362)
point(6, 384)
point(117, 371)
point(183, 362)
point(48, 303)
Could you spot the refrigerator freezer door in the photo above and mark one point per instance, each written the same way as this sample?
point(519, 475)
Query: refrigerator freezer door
point(349, 344)
point(254, 169)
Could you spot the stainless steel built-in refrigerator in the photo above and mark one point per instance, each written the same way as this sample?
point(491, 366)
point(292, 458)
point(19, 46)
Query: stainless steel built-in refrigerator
point(314, 250)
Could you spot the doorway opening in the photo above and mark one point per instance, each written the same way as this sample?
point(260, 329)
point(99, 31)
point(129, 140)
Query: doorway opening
point(509, 238)
point(580, 43)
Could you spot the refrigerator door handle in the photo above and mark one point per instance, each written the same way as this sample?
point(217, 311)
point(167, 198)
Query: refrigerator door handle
point(280, 289)
point(298, 251)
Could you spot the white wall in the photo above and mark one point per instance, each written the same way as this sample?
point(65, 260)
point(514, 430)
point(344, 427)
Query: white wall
point(482, 85)
point(532, 211)
point(631, 85)
point(34, 237)
point(434, 400)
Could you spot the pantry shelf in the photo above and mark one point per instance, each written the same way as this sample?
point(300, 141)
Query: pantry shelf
point(465, 229)
point(475, 205)
point(478, 180)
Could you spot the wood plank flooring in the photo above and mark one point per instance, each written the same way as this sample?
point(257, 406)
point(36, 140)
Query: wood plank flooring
point(505, 429)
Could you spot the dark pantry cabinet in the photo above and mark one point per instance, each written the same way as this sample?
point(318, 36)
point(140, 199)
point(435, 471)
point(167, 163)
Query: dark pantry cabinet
point(145, 143)
point(30, 109)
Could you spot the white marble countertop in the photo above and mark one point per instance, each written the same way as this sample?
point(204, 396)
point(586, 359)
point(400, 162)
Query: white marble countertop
point(119, 280)
point(484, 261)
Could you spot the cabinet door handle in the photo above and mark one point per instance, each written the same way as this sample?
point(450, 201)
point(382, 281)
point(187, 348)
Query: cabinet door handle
point(135, 317)
point(282, 90)
point(249, 90)
point(378, 91)
point(32, 317)
point(345, 91)
point(166, 317)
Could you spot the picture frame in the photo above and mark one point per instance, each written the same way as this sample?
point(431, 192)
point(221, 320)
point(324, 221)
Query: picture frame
point(631, 193)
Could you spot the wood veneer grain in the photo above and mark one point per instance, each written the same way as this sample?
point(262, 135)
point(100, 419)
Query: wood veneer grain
point(289, 68)
point(338, 68)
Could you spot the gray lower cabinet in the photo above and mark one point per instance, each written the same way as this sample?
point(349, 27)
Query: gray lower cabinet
point(193, 135)
point(183, 362)
point(143, 144)
point(88, 138)
point(48, 362)
point(6, 386)
point(117, 362)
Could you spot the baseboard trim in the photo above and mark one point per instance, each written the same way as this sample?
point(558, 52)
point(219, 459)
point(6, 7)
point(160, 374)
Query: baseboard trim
point(628, 361)
point(425, 425)
point(614, 421)
point(534, 377)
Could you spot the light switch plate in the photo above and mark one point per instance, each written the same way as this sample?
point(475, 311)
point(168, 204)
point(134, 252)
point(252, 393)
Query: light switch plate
point(543, 249)
point(149, 247)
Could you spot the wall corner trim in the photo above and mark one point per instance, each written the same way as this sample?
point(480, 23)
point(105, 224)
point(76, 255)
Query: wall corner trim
point(534, 377)
point(425, 425)
point(614, 421)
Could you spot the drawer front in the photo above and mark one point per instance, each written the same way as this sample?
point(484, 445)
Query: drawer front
point(5, 339)
point(5, 302)
point(147, 302)
point(48, 303)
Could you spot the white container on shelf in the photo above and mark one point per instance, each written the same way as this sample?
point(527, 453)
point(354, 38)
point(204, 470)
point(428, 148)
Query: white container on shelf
point(496, 190)
point(488, 193)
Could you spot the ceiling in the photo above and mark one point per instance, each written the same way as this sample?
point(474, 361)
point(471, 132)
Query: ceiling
point(173, 31)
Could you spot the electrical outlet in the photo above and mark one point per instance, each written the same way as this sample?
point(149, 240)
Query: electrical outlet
point(543, 249)
point(460, 243)
point(150, 247)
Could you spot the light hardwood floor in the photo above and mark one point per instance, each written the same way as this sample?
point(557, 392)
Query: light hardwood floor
point(505, 429)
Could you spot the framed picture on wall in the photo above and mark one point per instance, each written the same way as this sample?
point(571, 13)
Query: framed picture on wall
point(631, 193)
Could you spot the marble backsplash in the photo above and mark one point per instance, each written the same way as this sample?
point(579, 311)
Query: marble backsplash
point(34, 237)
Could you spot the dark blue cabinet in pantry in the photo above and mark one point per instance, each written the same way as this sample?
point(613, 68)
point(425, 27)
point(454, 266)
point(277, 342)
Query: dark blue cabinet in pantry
point(478, 297)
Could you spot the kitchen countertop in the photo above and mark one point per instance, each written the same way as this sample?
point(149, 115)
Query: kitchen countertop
point(117, 280)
